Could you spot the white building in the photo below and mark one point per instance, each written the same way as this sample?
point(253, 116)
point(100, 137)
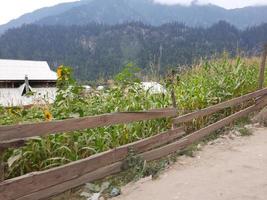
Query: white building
point(26, 82)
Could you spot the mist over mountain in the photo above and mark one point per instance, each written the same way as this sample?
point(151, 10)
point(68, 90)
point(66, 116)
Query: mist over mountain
point(146, 11)
point(98, 50)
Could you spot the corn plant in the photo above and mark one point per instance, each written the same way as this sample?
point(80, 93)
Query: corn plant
point(203, 85)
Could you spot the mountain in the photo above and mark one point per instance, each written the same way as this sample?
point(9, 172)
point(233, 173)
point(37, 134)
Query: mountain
point(98, 50)
point(40, 14)
point(146, 11)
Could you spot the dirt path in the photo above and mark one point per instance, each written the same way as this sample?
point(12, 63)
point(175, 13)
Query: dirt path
point(227, 170)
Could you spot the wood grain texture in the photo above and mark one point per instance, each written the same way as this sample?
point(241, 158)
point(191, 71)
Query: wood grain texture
point(213, 109)
point(86, 178)
point(33, 182)
point(12, 143)
point(39, 129)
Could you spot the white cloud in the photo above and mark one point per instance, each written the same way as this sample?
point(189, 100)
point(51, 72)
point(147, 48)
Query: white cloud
point(224, 3)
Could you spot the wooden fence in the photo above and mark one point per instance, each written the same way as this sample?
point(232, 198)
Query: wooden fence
point(43, 184)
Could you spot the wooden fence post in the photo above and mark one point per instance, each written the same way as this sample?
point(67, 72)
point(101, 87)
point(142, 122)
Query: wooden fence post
point(2, 166)
point(262, 67)
point(174, 104)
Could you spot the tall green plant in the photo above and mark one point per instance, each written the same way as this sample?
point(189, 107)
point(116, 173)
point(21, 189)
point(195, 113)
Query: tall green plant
point(206, 84)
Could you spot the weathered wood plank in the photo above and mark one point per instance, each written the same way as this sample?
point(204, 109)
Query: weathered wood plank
point(12, 143)
point(33, 182)
point(86, 178)
point(212, 109)
point(39, 129)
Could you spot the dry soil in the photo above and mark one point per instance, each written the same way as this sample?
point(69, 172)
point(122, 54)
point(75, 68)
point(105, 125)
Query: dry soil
point(228, 169)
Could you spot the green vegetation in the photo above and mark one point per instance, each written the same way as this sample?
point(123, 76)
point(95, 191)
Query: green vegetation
point(72, 102)
point(213, 82)
point(216, 81)
point(203, 85)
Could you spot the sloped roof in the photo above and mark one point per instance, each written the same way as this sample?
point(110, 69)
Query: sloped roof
point(18, 69)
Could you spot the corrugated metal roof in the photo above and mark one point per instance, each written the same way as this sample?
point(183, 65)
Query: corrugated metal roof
point(18, 69)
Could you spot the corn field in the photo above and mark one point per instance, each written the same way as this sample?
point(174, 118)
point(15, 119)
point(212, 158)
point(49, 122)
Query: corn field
point(203, 85)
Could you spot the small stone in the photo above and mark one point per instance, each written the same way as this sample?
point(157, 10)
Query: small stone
point(232, 136)
point(95, 196)
point(92, 187)
point(211, 143)
point(115, 192)
point(249, 126)
point(257, 125)
point(85, 194)
point(105, 186)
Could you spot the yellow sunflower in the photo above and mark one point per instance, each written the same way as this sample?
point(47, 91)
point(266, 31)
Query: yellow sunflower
point(59, 71)
point(48, 115)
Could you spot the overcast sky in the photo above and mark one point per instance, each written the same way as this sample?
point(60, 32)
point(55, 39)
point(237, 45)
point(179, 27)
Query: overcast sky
point(11, 9)
point(224, 3)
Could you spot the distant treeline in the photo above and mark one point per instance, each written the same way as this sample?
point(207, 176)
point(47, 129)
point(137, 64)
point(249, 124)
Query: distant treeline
point(98, 50)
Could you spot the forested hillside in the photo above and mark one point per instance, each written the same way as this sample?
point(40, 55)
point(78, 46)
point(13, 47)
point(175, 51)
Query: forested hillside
point(101, 50)
point(149, 12)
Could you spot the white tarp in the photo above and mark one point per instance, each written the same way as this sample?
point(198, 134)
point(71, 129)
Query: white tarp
point(13, 96)
point(153, 87)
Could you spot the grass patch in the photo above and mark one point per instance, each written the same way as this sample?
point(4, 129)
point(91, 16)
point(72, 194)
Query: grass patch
point(240, 126)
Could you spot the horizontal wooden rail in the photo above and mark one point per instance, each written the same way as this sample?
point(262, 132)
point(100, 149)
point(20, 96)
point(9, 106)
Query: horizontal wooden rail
point(153, 154)
point(12, 144)
point(200, 134)
point(86, 178)
point(33, 182)
point(212, 109)
point(39, 129)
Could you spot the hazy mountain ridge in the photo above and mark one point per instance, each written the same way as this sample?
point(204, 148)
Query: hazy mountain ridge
point(96, 50)
point(41, 13)
point(146, 11)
